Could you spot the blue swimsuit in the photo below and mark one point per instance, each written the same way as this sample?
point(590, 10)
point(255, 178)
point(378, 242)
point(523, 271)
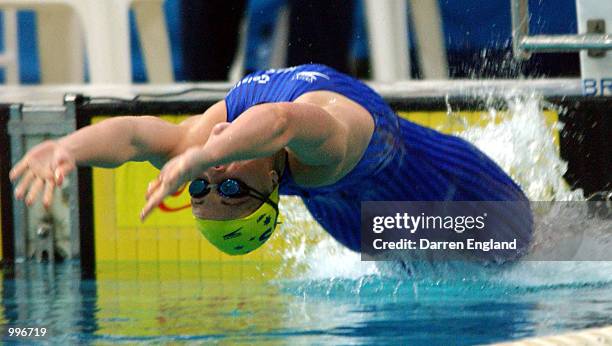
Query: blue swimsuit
point(403, 161)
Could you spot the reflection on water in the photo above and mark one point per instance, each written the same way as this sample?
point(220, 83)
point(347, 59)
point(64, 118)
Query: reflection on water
point(326, 295)
point(246, 303)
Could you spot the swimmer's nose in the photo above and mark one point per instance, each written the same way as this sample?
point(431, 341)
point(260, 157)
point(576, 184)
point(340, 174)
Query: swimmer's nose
point(215, 173)
point(216, 170)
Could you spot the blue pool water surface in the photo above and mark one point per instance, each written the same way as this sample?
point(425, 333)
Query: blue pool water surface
point(324, 294)
point(133, 303)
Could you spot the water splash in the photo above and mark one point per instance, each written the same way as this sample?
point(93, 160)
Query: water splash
point(522, 143)
point(312, 252)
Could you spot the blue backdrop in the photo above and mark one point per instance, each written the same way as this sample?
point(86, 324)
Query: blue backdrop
point(469, 25)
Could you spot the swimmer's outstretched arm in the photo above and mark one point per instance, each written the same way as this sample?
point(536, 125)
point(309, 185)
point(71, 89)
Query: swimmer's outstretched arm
point(109, 143)
point(312, 134)
point(309, 132)
point(115, 141)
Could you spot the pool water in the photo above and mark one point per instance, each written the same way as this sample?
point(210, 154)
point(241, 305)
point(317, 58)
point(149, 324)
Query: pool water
point(244, 303)
point(322, 293)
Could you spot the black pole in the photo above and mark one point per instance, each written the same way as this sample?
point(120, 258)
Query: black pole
point(6, 193)
point(87, 246)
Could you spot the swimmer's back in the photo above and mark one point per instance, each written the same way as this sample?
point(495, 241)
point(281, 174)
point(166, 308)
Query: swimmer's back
point(402, 161)
point(288, 84)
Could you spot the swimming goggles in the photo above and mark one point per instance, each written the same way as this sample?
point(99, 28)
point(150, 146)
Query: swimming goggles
point(228, 188)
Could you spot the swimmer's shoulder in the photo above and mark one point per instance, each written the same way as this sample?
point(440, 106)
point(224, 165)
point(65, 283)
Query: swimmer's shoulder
point(341, 107)
point(360, 127)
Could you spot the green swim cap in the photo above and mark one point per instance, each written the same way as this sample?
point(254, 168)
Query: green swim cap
point(241, 236)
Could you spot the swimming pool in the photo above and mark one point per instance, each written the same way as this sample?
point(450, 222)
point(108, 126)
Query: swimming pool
point(200, 303)
point(155, 286)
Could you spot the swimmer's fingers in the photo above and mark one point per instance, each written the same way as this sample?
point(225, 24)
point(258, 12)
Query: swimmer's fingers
point(35, 188)
point(172, 176)
point(165, 185)
point(154, 200)
point(18, 170)
point(48, 193)
point(154, 185)
point(154, 196)
point(47, 160)
point(146, 210)
point(63, 168)
point(33, 161)
point(24, 184)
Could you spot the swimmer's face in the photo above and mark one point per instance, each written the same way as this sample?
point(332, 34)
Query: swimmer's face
point(258, 174)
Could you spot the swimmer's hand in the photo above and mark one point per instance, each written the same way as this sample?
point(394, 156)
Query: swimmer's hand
point(175, 173)
point(43, 168)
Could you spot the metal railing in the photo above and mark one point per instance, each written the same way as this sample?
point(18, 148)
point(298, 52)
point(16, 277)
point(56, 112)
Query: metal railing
point(524, 45)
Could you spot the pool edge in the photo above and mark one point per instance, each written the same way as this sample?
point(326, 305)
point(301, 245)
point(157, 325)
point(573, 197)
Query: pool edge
point(584, 337)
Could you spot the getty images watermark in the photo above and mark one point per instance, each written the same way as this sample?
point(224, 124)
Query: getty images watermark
point(485, 231)
point(423, 222)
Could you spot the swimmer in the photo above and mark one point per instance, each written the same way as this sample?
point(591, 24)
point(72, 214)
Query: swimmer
point(308, 131)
